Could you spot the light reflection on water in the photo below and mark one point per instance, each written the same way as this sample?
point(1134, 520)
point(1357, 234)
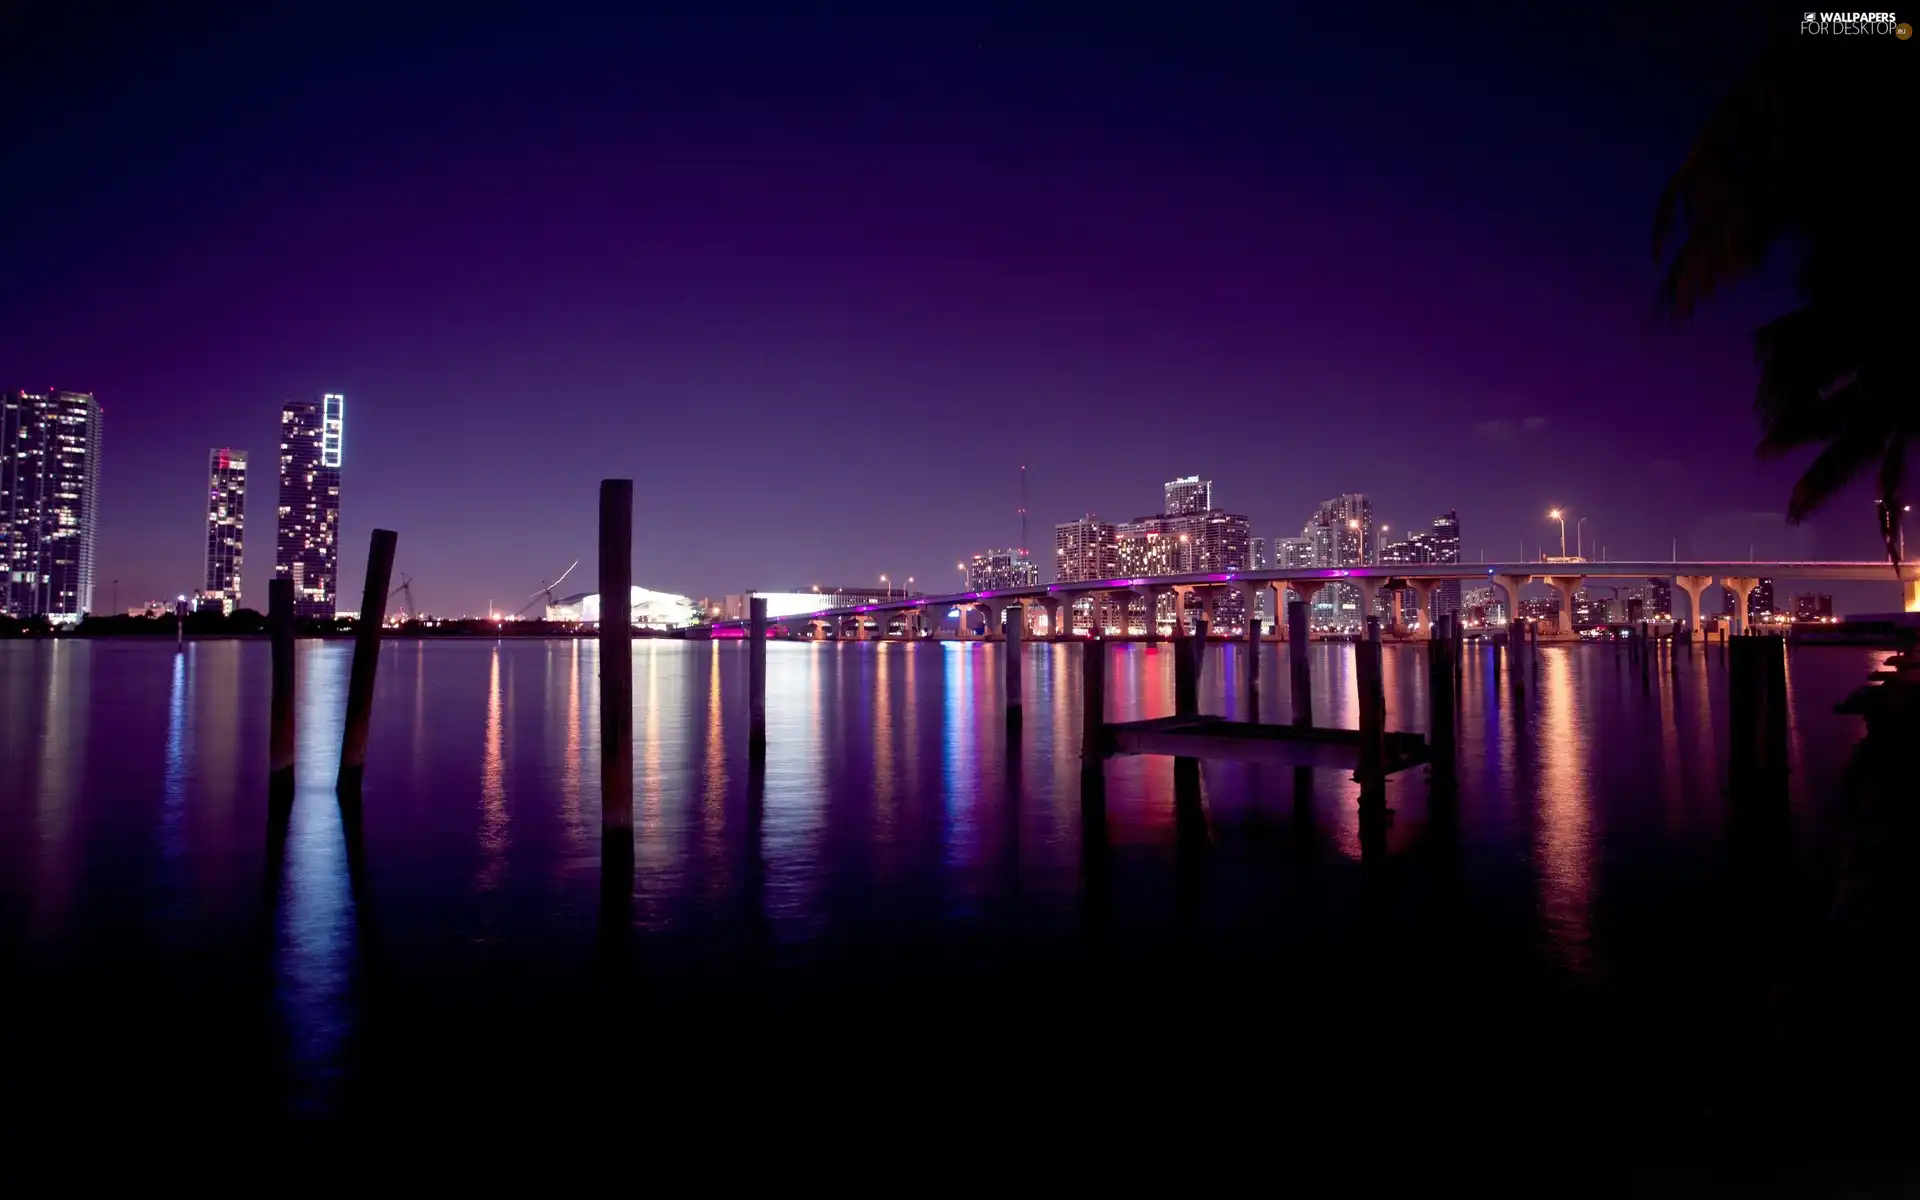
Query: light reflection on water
point(316, 951)
point(895, 816)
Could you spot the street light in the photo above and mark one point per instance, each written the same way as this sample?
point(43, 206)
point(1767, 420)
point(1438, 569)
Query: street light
point(1379, 542)
point(1554, 514)
point(883, 579)
point(1579, 539)
point(1354, 524)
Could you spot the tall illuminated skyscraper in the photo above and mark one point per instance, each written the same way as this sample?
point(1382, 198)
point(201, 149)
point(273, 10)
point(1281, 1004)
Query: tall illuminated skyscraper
point(307, 548)
point(226, 528)
point(49, 502)
point(1187, 495)
point(1084, 549)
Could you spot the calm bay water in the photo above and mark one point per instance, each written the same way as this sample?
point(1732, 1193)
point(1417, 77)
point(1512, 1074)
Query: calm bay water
point(904, 868)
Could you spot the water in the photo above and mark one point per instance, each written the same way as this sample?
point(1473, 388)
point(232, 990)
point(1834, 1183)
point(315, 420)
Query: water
point(904, 878)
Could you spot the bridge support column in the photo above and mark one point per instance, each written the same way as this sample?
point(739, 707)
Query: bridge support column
point(1180, 610)
point(1052, 607)
point(987, 612)
point(1369, 599)
point(1306, 591)
point(1910, 591)
point(1154, 595)
point(1424, 588)
point(1511, 584)
point(1693, 585)
point(1742, 588)
point(1566, 585)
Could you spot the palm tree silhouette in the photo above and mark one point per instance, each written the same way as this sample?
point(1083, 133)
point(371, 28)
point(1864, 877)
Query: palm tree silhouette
point(1812, 153)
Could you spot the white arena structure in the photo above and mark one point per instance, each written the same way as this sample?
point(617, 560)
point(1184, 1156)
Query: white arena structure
point(651, 610)
point(789, 604)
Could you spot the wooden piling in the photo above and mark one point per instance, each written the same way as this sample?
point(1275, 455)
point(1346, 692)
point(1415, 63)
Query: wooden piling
point(280, 740)
point(1373, 630)
point(1302, 681)
point(1015, 624)
point(757, 676)
point(1251, 686)
point(1456, 644)
point(366, 660)
point(1440, 699)
point(1186, 677)
point(1093, 701)
point(616, 655)
point(1373, 717)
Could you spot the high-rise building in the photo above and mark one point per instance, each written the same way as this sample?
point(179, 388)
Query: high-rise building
point(1760, 601)
point(1338, 530)
point(1223, 541)
point(1812, 606)
point(307, 548)
point(1292, 553)
point(1659, 598)
point(1083, 550)
point(49, 503)
point(226, 529)
point(1257, 557)
point(1001, 569)
point(1188, 495)
point(1156, 545)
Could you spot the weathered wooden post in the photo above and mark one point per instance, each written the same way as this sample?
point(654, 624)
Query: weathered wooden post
point(280, 738)
point(1373, 630)
point(616, 656)
point(1373, 722)
point(1440, 698)
point(1456, 644)
point(1302, 681)
point(1093, 702)
point(756, 676)
point(1252, 685)
point(366, 660)
point(1646, 651)
point(1186, 677)
point(1015, 624)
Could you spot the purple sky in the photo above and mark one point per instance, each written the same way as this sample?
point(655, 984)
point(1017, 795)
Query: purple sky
point(821, 294)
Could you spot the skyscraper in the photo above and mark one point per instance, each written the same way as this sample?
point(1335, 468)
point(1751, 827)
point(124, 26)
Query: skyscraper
point(308, 542)
point(1188, 495)
point(226, 528)
point(1339, 530)
point(1257, 558)
point(1084, 549)
point(1292, 553)
point(49, 502)
point(1001, 569)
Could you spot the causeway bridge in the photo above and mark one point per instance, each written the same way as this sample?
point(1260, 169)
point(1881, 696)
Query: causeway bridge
point(924, 616)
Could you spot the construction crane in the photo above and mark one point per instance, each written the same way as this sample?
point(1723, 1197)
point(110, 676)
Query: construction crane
point(545, 592)
point(406, 589)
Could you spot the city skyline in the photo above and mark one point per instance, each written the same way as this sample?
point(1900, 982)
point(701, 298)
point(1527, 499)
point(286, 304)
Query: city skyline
point(1274, 278)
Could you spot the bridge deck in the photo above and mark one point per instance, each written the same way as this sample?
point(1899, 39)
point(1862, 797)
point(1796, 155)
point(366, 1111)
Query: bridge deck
point(1247, 741)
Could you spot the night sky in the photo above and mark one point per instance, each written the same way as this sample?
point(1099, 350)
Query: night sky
point(821, 289)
